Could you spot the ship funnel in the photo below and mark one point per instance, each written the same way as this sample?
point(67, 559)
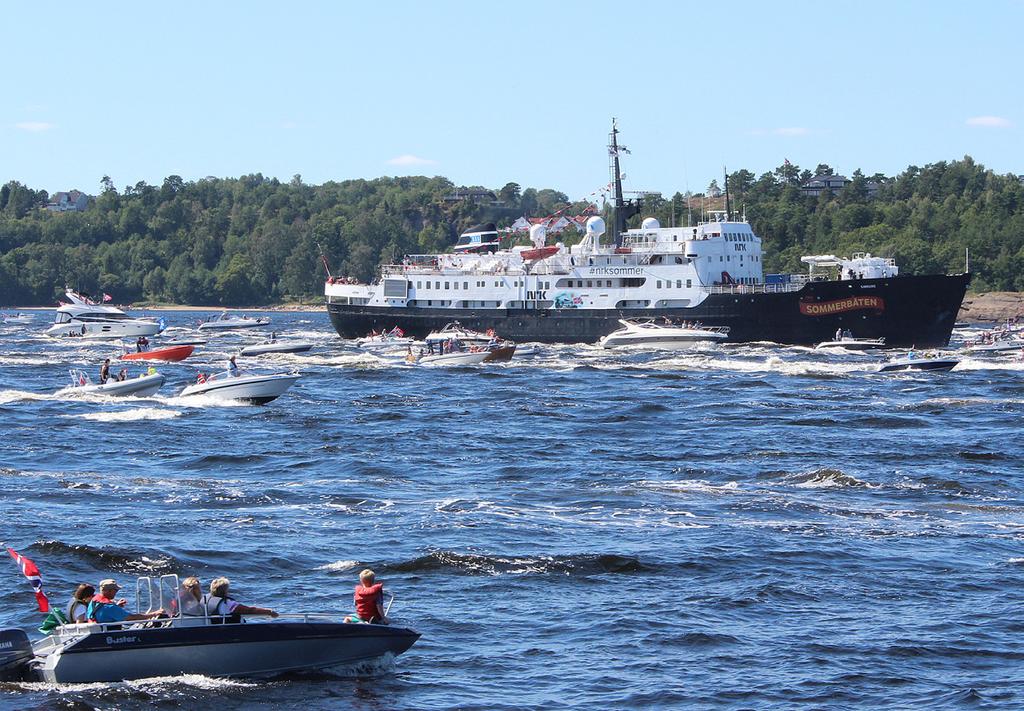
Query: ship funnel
point(538, 235)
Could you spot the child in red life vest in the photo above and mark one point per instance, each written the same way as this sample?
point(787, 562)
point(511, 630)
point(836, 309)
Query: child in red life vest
point(369, 599)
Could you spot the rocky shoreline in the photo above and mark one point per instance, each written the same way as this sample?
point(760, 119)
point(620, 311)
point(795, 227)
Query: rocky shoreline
point(992, 307)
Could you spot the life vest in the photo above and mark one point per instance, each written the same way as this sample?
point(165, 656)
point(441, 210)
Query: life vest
point(71, 612)
point(366, 599)
point(94, 605)
point(212, 605)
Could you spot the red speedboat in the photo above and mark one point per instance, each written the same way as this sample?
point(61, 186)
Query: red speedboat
point(169, 354)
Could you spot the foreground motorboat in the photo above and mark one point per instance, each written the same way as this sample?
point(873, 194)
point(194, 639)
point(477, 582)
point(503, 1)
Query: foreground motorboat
point(275, 346)
point(170, 354)
point(912, 361)
point(854, 344)
point(201, 644)
point(83, 317)
point(254, 389)
point(454, 332)
point(227, 322)
point(142, 386)
point(651, 334)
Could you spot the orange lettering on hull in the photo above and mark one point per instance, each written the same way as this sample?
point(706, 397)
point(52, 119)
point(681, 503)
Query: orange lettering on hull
point(853, 303)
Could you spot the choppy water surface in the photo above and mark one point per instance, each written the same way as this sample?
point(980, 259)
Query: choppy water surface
point(744, 526)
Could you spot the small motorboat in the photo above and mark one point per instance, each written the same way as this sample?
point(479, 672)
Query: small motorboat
point(455, 358)
point(17, 318)
point(912, 361)
point(228, 322)
point(275, 346)
point(500, 350)
point(394, 339)
point(854, 344)
point(213, 646)
point(170, 354)
point(254, 389)
point(145, 385)
point(993, 347)
point(650, 334)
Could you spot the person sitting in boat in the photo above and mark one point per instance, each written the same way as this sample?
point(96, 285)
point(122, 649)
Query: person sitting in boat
point(220, 604)
point(190, 597)
point(142, 344)
point(105, 371)
point(233, 370)
point(78, 607)
point(122, 375)
point(369, 600)
point(410, 357)
point(105, 608)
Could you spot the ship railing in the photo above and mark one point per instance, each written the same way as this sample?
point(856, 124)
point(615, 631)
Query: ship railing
point(784, 288)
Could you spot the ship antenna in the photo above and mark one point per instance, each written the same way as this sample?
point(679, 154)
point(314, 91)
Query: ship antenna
point(622, 210)
point(728, 207)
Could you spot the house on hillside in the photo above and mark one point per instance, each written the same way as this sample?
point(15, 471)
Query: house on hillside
point(820, 183)
point(73, 201)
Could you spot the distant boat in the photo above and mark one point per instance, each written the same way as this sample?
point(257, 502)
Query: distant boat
point(82, 317)
point(915, 362)
point(170, 354)
point(18, 318)
point(276, 347)
point(227, 322)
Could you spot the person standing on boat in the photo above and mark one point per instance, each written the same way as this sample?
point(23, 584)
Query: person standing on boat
point(233, 369)
point(105, 371)
point(839, 334)
point(142, 344)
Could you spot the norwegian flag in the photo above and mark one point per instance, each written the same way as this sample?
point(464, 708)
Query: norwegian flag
point(107, 297)
point(30, 571)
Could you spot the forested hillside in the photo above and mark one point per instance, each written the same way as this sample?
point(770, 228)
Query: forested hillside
point(253, 240)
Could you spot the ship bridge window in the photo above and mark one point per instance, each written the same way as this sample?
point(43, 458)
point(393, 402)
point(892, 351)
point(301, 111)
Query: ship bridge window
point(447, 285)
point(437, 285)
point(465, 285)
point(590, 283)
point(659, 284)
point(679, 283)
point(419, 285)
point(456, 286)
point(689, 283)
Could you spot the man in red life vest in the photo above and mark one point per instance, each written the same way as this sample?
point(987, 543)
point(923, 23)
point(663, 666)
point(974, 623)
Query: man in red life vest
point(369, 599)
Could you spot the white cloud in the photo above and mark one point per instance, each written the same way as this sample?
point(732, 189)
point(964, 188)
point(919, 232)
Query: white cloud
point(34, 126)
point(409, 159)
point(989, 122)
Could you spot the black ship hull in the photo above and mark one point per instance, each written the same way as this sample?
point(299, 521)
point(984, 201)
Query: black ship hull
point(907, 311)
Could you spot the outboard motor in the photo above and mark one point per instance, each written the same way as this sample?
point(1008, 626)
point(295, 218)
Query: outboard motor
point(15, 655)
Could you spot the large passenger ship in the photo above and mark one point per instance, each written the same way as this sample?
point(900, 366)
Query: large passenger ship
point(710, 272)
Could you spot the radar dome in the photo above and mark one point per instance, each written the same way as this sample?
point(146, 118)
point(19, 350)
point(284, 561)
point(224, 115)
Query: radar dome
point(650, 223)
point(538, 235)
point(595, 226)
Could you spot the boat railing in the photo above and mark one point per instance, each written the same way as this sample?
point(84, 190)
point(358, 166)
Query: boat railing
point(796, 282)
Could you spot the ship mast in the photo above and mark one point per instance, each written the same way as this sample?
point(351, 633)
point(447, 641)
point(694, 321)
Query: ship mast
point(622, 209)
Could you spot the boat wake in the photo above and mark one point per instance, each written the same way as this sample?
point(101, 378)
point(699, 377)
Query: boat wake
point(142, 413)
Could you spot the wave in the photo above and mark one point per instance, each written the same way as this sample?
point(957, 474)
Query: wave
point(123, 561)
point(339, 566)
point(827, 478)
point(474, 564)
point(142, 413)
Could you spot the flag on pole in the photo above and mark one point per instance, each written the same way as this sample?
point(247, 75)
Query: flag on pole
point(30, 571)
point(107, 297)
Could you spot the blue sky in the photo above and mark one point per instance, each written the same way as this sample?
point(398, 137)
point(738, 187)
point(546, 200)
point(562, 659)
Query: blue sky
point(487, 93)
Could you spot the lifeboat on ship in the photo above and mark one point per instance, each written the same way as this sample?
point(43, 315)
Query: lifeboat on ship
point(532, 255)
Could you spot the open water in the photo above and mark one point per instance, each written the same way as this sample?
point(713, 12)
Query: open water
point(739, 527)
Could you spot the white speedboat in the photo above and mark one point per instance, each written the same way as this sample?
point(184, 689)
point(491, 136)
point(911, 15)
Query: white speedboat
point(17, 318)
point(201, 644)
point(275, 346)
point(456, 358)
point(500, 350)
point(227, 322)
point(254, 389)
point(390, 341)
point(912, 361)
point(1011, 344)
point(651, 334)
point(82, 317)
point(142, 386)
point(854, 344)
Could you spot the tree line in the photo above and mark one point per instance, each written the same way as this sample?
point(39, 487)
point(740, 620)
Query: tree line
point(255, 240)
